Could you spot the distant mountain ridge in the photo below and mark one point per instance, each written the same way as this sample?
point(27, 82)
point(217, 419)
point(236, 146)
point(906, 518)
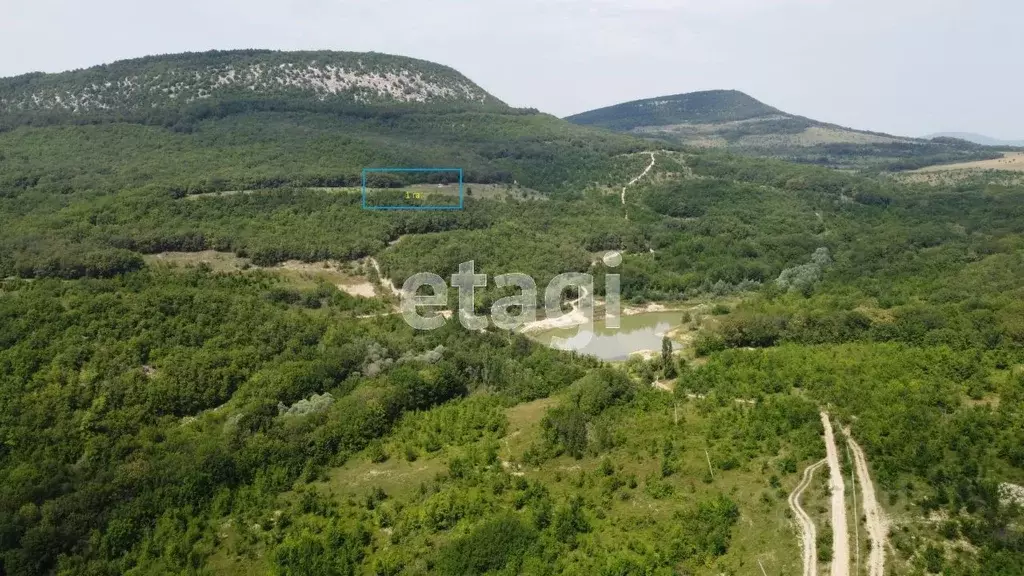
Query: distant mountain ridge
point(976, 138)
point(734, 120)
point(694, 107)
point(731, 115)
point(177, 80)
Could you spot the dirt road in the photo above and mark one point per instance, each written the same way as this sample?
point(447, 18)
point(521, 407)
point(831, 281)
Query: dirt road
point(840, 532)
point(809, 533)
point(635, 180)
point(878, 526)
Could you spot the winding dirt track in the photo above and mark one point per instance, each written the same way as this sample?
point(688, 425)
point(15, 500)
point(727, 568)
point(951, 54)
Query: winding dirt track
point(635, 180)
point(840, 532)
point(878, 529)
point(809, 534)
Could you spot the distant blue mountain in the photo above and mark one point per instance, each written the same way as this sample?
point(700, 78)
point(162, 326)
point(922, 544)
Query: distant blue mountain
point(976, 138)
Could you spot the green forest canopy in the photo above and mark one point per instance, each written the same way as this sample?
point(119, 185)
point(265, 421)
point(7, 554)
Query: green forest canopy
point(150, 418)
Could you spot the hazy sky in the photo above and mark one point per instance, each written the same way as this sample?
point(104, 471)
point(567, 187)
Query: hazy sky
point(909, 67)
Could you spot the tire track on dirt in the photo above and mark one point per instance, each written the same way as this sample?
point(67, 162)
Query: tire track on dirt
point(878, 526)
point(840, 532)
point(809, 534)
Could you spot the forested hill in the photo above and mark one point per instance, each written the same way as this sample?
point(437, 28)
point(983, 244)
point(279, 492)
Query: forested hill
point(257, 119)
point(692, 108)
point(734, 120)
point(180, 80)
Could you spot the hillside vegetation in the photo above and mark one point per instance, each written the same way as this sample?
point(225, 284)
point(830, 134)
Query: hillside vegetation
point(139, 157)
point(192, 419)
point(177, 81)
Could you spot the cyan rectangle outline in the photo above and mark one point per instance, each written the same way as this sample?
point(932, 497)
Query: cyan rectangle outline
point(446, 207)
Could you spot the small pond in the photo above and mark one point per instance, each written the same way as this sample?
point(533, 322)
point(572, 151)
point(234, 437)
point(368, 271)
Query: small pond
point(635, 334)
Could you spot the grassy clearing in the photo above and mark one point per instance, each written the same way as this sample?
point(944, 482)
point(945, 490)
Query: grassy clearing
point(351, 277)
point(475, 190)
point(397, 476)
point(217, 261)
point(1010, 162)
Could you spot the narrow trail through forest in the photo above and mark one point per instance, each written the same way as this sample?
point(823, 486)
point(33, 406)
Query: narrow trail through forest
point(878, 529)
point(809, 534)
point(635, 180)
point(840, 532)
